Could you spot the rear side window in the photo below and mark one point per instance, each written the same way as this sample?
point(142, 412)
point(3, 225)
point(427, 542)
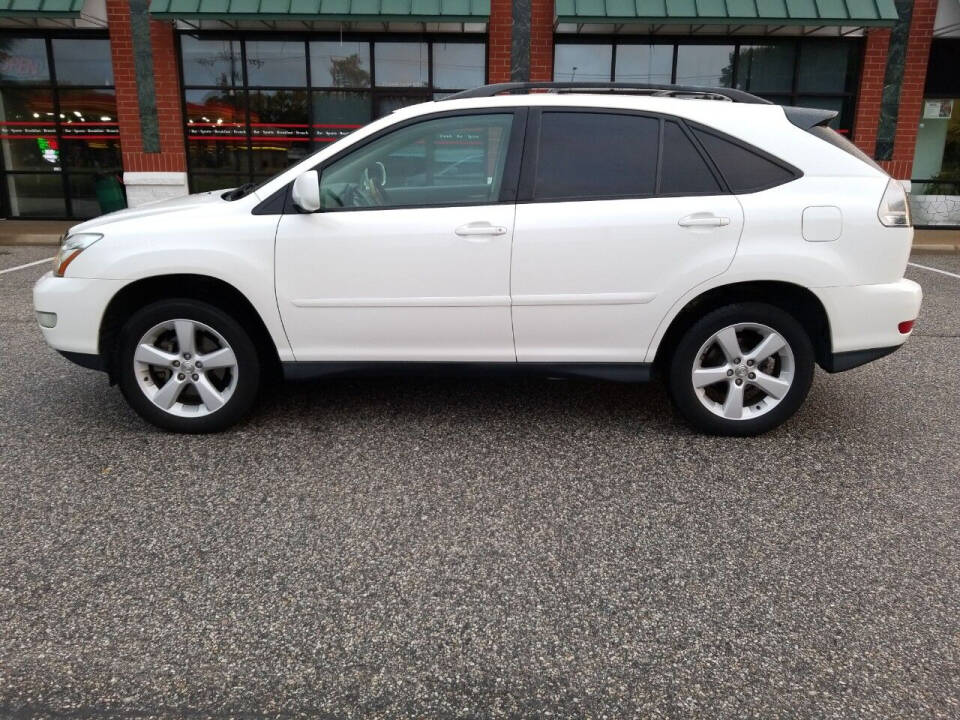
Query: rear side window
point(683, 170)
point(744, 170)
point(586, 156)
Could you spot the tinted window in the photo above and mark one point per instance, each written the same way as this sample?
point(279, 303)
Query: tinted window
point(458, 65)
point(596, 155)
point(276, 63)
point(683, 170)
point(448, 161)
point(82, 61)
point(744, 171)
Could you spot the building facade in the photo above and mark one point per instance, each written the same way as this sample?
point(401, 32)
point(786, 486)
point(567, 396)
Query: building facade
point(174, 96)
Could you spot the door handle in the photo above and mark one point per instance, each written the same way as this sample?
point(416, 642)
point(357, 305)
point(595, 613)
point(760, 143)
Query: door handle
point(480, 228)
point(701, 220)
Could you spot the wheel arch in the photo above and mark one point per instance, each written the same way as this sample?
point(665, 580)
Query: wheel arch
point(794, 299)
point(216, 292)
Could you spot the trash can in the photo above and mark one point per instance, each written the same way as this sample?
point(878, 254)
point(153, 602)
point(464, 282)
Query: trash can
point(110, 193)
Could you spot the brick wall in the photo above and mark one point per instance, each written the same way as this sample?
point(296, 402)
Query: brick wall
point(541, 40)
point(498, 41)
point(870, 94)
point(171, 157)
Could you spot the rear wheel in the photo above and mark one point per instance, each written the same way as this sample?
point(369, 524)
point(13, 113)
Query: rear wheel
point(741, 370)
point(187, 366)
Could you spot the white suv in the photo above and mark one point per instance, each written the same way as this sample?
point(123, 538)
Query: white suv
point(720, 241)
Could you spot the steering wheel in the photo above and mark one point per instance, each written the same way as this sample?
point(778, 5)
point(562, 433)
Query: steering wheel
point(373, 182)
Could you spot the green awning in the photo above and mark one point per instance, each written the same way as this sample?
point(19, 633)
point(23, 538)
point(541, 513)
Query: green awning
point(729, 12)
point(40, 8)
point(338, 10)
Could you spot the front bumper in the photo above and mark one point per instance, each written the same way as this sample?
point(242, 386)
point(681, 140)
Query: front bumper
point(864, 318)
point(79, 304)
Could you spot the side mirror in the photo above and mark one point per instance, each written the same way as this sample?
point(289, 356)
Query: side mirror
point(306, 191)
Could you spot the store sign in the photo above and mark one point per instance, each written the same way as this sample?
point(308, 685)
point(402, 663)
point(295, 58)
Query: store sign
point(937, 109)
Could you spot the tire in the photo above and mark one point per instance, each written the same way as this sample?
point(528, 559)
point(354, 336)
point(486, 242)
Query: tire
point(770, 389)
point(153, 351)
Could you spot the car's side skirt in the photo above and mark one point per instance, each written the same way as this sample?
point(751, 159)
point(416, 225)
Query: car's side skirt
point(616, 372)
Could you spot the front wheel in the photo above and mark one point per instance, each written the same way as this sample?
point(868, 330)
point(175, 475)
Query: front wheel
point(187, 366)
point(742, 369)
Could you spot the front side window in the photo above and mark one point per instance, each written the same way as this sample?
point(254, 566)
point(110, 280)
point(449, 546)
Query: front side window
point(446, 161)
point(585, 156)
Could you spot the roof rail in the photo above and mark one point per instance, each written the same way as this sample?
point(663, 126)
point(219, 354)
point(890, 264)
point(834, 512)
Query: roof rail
point(629, 88)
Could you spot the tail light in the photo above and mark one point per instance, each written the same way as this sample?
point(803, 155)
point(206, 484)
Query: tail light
point(906, 326)
point(894, 210)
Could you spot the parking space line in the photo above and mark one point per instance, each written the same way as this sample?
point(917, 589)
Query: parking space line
point(21, 267)
point(933, 269)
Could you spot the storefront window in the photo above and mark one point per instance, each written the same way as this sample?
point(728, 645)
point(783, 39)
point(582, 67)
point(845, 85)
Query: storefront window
point(645, 63)
point(935, 184)
point(708, 65)
point(815, 72)
point(255, 106)
point(59, 134)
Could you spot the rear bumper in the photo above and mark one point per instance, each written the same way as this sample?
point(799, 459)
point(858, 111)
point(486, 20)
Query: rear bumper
point(79, 305)
point(864, 319)
point(838, 362)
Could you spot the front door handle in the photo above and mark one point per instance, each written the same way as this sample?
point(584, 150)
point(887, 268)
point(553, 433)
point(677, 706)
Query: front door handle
point(703, 220)
point(480, 228)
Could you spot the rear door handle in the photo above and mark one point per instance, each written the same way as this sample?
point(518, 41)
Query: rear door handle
point(698, 220)
point(480, 228)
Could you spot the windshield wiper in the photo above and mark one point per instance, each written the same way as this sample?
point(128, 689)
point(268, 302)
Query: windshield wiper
point(239, 192)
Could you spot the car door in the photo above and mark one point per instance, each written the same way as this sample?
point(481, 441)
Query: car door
point(409, 257)
point(619, 214)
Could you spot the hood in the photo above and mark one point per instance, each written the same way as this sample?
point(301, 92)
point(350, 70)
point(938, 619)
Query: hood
point(160, 207)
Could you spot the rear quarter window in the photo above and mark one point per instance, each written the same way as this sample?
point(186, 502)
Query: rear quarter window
point(744, 170)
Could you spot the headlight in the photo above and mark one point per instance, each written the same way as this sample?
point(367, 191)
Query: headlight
point(70, 247)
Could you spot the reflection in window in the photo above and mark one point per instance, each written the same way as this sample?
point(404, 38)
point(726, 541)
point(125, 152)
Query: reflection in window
point(645, 63)
point(36, 195)
point(276, 63)
point(24, 60)
point(766, 68)
point(401, 64)
point(458, 65)
point(588, 63)
point(705, 65)
point(338, 113)
point(211, 62)
point(340, 64)
point(279, 129)
point(823, 67)
point(82, 61)
point(28, 131)
point(216, 130)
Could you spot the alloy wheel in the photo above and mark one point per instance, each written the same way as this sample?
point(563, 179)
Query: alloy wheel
point(743, 371)
point(185, 368)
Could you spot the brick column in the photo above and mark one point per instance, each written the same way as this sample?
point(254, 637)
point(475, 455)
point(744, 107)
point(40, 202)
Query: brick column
point(541, 40)
point(870, 93)
point(910, 105)
point(910, 111)
point(499, 34)
point(150, 173)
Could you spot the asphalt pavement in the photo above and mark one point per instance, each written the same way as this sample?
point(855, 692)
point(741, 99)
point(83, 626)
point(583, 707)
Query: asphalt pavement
point(481, 548)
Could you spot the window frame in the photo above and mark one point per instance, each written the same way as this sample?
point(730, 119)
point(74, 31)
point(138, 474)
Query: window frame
point(375, 93)
point(55, 88)
point(528, 172)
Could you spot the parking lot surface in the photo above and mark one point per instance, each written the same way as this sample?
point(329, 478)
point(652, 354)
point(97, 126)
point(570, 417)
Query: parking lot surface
point(478, 548)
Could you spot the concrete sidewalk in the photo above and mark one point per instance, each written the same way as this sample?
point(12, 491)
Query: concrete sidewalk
point(48, 232)
point(33, 232)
